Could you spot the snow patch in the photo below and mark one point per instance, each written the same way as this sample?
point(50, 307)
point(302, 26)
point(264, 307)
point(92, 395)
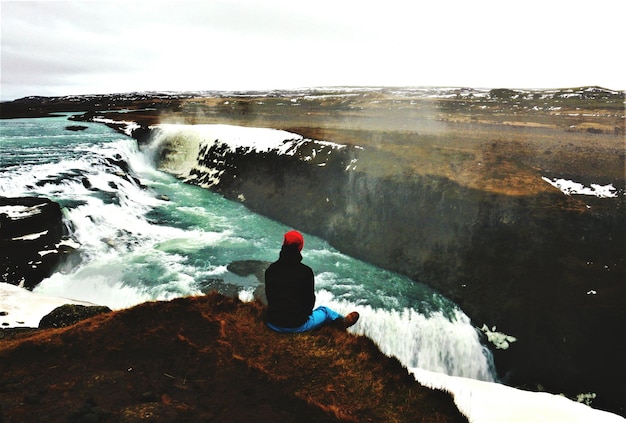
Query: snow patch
point(485, 402)
point(30, 237)
point(248, 138)
point(20, 212)
point(570, 187)
point(128, 126)
point(187, 142)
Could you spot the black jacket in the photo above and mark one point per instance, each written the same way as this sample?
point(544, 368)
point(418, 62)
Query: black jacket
point(289, 287)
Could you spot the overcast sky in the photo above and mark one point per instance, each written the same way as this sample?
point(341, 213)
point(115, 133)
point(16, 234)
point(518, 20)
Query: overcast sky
point(88, 47)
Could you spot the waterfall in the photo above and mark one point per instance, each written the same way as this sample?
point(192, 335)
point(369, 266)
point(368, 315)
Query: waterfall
point(438, 342)
point(439, 338)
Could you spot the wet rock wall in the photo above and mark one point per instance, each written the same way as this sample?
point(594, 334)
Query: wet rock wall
point(33, 240)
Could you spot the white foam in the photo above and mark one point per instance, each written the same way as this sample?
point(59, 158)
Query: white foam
point(430, 342)
point(24, 308)
point(246, 295)
point(92, 284)
point(103, 281)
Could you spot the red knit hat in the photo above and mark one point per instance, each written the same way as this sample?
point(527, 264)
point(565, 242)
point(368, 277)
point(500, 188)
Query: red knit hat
point(294, 238)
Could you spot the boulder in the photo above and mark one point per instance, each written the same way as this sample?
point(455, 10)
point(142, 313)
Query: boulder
point(76, 128)
point(249, 267)
point(68, 314)
point(34, 239)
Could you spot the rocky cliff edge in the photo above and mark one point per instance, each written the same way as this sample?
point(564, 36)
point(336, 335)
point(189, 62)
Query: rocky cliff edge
point(207, 358)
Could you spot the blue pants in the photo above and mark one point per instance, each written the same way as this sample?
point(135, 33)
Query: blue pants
point(318, 317)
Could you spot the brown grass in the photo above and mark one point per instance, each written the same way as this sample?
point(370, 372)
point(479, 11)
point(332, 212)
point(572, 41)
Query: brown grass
point(206, 358)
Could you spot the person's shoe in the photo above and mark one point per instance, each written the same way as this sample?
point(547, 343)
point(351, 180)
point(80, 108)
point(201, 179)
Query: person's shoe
point(350, 319)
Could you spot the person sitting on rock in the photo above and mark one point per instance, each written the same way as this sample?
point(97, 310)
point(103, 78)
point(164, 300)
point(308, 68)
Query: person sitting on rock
point(289, 288)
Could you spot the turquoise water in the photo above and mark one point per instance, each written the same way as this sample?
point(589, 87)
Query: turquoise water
point(144, 235)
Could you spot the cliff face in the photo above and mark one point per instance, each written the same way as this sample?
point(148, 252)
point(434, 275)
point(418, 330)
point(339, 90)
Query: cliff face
point(526, 264)
point(206, 358)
